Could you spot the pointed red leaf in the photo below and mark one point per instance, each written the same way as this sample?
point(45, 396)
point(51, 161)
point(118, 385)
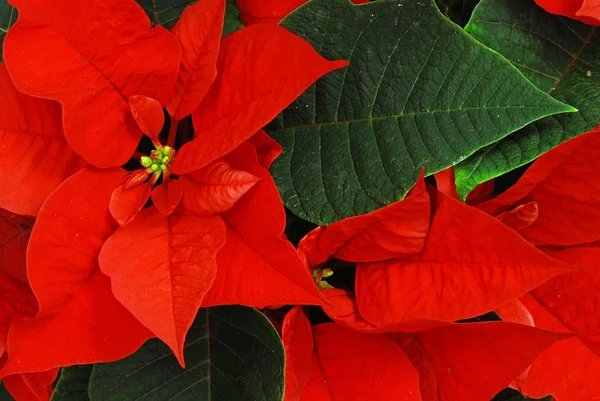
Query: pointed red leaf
point(115, 54)
point(564, 183)
point(471, 264)
point(125, 204)
point(563, 370)
point(148, 114)
point(257, 266)
point(15, 231)
point(582, 10)
point(394, 231)
point(199, 33)
point(241, 99)
point(267, 148)
point(348, 365)
point(36, 157)
point(167, 196)
point(448, 358)
point(481, 193)
point(297, 339)
point(79, 320)
point(161, 268)
point(215, 188)
point(446, 182)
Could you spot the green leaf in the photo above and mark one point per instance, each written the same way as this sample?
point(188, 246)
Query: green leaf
point(232, 353)
point(164, 12)
point(8, 16)
point(419, 92)
point(558, 55)
point(167, 13)
point(232, 19)
point(73, 384)
point(4, 395)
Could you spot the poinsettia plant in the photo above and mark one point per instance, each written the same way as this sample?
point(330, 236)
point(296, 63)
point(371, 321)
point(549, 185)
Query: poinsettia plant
point(299, 200)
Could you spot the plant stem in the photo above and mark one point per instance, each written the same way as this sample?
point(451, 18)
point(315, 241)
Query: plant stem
point(172, 132)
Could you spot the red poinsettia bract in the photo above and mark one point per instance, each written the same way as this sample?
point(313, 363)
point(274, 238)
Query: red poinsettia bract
point(587, 11)
point(107, 274)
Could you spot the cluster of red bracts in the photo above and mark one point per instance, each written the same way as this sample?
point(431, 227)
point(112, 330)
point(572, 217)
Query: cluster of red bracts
point(105, 272)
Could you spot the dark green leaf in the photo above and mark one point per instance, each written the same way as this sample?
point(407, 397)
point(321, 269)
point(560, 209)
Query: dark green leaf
point(4, 395)
point(419, 92)
point(167, 12)
point(8, 16)
point(73, 384)
point(232, 353)
point(232, 19)
point(164, 12)
point(561, 57)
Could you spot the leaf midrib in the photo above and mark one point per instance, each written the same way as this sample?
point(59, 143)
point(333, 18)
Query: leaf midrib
point(345, 122)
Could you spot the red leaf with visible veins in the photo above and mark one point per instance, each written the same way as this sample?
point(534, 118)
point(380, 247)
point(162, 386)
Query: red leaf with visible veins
point(15, 231)
point(167, 196)
point(199, 33)
point(564, 184)
point(242, 100)
point(148, 114)
point(471, 264)
point(214, 189)
point(257, 266)
point(36, 157)
point(161, 268)
point(347, 365)
point(125, 204)
point(79, 321)
point(114, 53)
point(270, 11)
point(296, 336)
point(17, 302)
point(394, 231)
point(448, 358)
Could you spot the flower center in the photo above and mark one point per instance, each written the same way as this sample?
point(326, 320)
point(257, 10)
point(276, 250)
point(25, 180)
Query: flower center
point(159, 160)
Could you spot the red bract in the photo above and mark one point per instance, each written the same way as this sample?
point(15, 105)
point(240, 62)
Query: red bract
point(283, 66)
point(114, 53)
point(446, 360)
point(270, 11)
point(36, 156)
point(587, 11)
point(79, 320)
point(564, 184)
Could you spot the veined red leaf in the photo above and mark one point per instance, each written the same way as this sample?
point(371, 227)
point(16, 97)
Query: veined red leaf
point(296, 335)
point(199, 33)
point(17, 302)
point(114, 53)
point(36, 157)
point(448, 358)
point(564, 183)
point(395, 231)
point(167, 196)
point(215, 188)
point(590, 9)
point(348, 365)
point(125, 204)
point(258, 267)
point(471, 264)
point(161, 267)
point(445, 182)
point(148, 114)
point(241, 100)
point(564, 369)
point(79, 320)
point(14, 235)
point(520, 217)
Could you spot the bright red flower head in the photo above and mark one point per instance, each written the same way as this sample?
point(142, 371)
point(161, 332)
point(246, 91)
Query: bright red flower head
point(214, 235)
